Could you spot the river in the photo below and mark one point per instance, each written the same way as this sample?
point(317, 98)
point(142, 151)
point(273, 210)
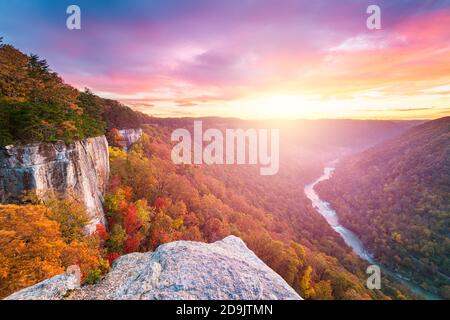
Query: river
point(351, 239)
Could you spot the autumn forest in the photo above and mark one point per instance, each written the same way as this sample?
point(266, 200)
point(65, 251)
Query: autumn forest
point(394, 195)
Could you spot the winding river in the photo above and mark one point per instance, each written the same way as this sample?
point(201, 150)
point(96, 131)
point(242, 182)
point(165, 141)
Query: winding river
point(350, 238)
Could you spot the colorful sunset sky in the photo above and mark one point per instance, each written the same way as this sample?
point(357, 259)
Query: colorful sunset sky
point(247, 58)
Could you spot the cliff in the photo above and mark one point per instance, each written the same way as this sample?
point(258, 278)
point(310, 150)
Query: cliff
point(80, 170)
point(225, 269)
point(130, 137)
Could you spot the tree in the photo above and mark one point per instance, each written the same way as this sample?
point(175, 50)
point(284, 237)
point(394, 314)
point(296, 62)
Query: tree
point(15, 84)
point(84, 254)
point(306, 284)
point(214, 230)
point(161, 203)
point(34, 248)
point(132, 243)
point(116, 139)
point(71, 216)
point(39, 106)
point(100, 230)
point(111, 257)
point(323, 290)
point(30, 246)
point(116, 239)
point(131, 221)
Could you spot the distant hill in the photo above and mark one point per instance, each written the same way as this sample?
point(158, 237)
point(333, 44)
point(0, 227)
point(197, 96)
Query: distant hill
point(316, 136)
point(396, 197)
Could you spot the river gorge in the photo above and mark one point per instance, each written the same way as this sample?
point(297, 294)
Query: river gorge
point(351, 239)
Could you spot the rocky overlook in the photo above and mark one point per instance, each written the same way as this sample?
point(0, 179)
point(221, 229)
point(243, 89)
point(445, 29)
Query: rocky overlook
point(226, 269)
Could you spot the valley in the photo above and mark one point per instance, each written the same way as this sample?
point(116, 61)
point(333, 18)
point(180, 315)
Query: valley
point(395, 197)
point(390, 188)
point(352, 240)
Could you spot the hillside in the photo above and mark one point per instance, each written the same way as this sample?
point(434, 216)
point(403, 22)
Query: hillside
point(37, 106)
point(396, 197)
point(151, 201)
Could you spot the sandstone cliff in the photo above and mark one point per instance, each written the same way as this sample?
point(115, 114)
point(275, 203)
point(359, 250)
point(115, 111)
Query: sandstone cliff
point(130, 137)
point(225, 269)
point(80, 170)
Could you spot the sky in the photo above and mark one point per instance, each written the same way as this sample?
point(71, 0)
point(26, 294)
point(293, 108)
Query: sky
point(253, 59)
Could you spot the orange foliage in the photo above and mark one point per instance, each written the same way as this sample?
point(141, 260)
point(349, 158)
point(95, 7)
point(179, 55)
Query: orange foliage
point(34, 248)
point(31, 247)
point(101, 232)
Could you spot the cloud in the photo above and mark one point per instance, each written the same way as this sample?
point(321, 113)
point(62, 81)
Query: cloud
point(198, 54)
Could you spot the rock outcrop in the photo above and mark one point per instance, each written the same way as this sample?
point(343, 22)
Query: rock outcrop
point(80, 170)
point(130, 137)
point(55, 288)
point(225, 269)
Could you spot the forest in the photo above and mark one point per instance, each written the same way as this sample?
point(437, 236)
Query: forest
point(151, 201)
point(396, 197)
point(39, 241)
point(37, 106)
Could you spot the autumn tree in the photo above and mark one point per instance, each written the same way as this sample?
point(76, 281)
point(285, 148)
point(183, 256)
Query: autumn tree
point(34, 247)
point(306, 286)
point(31, 246)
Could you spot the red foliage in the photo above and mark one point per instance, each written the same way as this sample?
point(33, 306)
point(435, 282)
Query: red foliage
point(132, 243)
point(191, 220)
point(101, 232)
point(131, 221)
point(157, 238)
point(111, 257)
point(161, 203)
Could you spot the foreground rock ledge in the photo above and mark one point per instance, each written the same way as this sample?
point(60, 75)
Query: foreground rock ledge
point(226, 269)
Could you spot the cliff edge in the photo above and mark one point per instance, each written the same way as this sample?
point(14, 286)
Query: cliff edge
point(226, 269)
point(80, 170)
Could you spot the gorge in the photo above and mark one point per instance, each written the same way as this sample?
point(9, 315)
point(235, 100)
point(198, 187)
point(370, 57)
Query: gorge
point(351, 239)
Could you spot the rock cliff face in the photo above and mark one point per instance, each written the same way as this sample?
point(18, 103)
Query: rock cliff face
point(80, 170)
point(225, 269)
point(130, 137)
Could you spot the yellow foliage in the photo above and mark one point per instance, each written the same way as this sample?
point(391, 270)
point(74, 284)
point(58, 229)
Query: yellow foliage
point(33, 248)
point(305, 284)
point(30, 244)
